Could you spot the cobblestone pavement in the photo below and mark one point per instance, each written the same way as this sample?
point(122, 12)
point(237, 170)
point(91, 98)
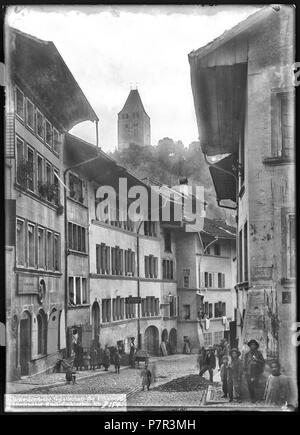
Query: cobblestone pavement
point(101, 382)
point(129, 382)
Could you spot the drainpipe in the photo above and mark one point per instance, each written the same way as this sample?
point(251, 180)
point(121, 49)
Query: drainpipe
point(97, 133)
point(138, 282)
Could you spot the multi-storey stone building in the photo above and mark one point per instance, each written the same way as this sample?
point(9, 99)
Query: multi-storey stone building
point(133, 123)
point(130, 288)
point(247, 73)
point(42, 102)
point(206, 270)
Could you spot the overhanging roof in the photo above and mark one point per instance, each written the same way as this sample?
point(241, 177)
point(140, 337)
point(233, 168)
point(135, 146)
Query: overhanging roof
point(219, 98)
point(95, 164)
point(218, 77)
point(38, 65)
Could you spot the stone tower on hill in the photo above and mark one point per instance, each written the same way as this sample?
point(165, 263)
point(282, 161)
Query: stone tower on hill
point(133, 122)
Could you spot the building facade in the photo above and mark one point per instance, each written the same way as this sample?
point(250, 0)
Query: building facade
point(133, 123)
point(206, 269)
point(257, 176)
point(130, 290)
point(35, 287)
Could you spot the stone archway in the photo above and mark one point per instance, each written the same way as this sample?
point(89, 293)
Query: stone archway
point(25, 343)
point(164, 335)
point(151, 340)
point(173, 341)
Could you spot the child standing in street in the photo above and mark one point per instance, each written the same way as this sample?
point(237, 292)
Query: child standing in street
point(236, 375)
point(224, 373)
point(277, 389)
point(117, 360)
point(146, 377)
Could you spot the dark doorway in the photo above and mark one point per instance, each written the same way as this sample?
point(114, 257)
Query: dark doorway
point(25, 344)
point(152, 340)
point(95, 321)
point(173, 341)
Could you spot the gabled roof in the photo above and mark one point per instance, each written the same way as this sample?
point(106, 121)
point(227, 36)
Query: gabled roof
point(133, 103)
point(39, 68)
point(237, 30)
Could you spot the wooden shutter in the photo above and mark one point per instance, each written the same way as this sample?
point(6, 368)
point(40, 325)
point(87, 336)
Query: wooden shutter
point(146, 266)
point(107, 259)
point(133, 263)
point(155, 267)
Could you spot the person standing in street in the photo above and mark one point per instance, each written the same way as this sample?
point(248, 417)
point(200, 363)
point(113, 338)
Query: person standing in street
point(93, 355)
point(224, 369)
point(209, 363)
point(117, 360)
point(146, 377)
point(106, 358)
point(132, 352)
point(254, 365)
point(201, 357)
point(277, 389)
point(236, 375)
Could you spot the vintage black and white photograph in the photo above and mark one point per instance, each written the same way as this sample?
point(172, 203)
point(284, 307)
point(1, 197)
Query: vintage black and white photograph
point(150, 241)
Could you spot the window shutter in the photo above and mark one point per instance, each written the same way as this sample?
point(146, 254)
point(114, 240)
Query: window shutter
point(102, 258)
point(224, 309)
point(223, 280)
point(121, 261)
point(147, 266)
point(155, 267)
point(126, 268)
point(107, 259)
point(133, 263)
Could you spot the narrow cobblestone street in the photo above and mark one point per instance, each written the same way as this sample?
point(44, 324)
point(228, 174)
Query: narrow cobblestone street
point(170, 368)
point(128, 382)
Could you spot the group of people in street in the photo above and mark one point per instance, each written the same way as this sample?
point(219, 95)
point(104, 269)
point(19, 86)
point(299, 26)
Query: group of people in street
point(96, 357)
point(233, 370)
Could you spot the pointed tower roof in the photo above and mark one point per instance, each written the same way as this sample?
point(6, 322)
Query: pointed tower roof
point(133, 103)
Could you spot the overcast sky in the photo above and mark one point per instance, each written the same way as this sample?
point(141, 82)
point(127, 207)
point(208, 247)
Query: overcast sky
point(109, 48)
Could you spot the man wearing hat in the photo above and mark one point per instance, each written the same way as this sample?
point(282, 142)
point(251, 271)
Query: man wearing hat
point(209, 363)
point(254, 365)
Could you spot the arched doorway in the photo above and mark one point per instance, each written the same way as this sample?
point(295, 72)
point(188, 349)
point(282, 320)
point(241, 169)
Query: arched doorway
point(41, 333)
point(52, 333)
point(164, 335)
point(173, 340)
point(95, 321)
point(25, 343)
point(152, 340)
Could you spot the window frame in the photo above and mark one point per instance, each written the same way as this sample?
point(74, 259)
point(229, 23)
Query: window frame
point(38, 112)
point(24, 243)
point(17, 89)
point(32, 150)
point(28, 101)
point(33, 264)
point(43, 267)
